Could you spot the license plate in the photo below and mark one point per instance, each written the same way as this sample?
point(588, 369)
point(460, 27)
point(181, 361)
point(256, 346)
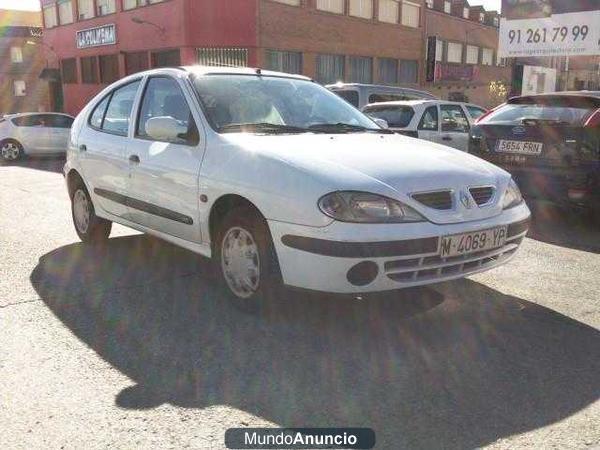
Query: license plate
point(521, 147)
point(478, 241)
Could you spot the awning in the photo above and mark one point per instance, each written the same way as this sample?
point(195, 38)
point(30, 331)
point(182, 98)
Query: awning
point(50, 74)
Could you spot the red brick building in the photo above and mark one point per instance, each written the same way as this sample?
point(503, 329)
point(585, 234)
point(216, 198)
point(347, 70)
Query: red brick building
point(462, 52)
point(99, 41)
point(23, 60)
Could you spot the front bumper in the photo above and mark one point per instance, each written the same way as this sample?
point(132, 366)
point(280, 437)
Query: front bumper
point(404, 255)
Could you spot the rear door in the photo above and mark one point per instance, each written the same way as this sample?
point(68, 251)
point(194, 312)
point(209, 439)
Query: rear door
point(103, 148)
point(455, 126)
point(59, 127)
point(32, 132)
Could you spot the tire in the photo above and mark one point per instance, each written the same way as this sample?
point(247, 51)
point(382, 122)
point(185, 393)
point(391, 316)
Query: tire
point(244, 229)
point(10, 150)
point(90, 228)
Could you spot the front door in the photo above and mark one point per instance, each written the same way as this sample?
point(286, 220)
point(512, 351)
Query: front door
point(455, 127)
point(165, 174)
point(429, 125)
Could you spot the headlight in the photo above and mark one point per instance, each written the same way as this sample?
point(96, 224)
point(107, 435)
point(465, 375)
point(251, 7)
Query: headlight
point(512, 196)
point(363, 207)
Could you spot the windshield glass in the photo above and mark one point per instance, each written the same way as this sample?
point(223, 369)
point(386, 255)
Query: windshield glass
point(395, 116)
point(289, 105)
point(516, 114)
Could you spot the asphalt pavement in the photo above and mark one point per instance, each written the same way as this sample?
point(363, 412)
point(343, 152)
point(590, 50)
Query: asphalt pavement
point(130, 346)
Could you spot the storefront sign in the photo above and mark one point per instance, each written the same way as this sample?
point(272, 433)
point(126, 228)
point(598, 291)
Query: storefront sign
point(95, 37)
point(455, 72)
point(558, 35)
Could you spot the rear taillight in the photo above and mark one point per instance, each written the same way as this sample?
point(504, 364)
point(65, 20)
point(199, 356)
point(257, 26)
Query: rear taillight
point(594, 120)
point(488, 113)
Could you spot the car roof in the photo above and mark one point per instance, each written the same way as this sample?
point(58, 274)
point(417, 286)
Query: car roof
point(25, 114)
point(220, 70)
point(419, 102)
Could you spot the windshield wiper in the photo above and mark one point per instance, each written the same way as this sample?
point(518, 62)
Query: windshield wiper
point(345, 128)
point(262, 127)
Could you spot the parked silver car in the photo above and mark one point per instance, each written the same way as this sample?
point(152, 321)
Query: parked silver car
point(360, 95)
point(34, 134)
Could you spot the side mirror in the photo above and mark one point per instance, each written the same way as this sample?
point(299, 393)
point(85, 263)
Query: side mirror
point(381, 122)
point(164, 128)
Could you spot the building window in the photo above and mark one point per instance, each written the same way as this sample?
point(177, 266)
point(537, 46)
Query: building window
point(447, 7)
point(455, 51)
point(16, 54)
point(409, 71)
point(388, 71)
point(136, 62)
point(439, 50)
point(65, 12)
point(19, 88)
point(361, 8)
point(289, 62)
point(389, 11)
point(109, 68)
point(496, 22)
point(89, 70)
point(361, 69)
point(69, 70)
point(487, 57)
point(106, 7)
point(472, 54)
point(334, 6)
point(131, 4)
point(465, 13)
point(168, 58)
point(330, 68)
point(50, 19)
point(85, 9)
point(429, 4)
point(227, 57)
point(481, 17)
point(411, 14)
point(289, 2)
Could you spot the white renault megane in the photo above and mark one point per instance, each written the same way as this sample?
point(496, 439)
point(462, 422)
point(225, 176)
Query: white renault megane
point(279, 180)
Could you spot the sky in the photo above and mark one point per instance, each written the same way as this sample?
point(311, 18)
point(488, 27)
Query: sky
point(33, 5)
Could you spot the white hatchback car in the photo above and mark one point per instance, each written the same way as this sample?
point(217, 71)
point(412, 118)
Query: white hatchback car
point(438, 121)
point(280, 180)
point(34, 134)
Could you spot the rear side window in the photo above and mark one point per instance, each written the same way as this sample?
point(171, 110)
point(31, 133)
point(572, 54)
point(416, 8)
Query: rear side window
point(118, 113)
point(97, 116)
point(350, 96)
point(396, 116)
point(164, 98)
point(59, 121)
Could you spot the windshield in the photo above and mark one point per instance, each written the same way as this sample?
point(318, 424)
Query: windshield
point(236, 103)
point(519, 114)
point(395, 116)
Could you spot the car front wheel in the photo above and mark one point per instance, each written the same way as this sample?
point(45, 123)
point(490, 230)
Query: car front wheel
point(89, 227)
point(246, 259)
point(11, 150)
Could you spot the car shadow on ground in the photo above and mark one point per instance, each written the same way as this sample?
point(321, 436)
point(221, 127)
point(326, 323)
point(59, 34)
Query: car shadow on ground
point(456, 366)
point(45, 163)
point(563, 226)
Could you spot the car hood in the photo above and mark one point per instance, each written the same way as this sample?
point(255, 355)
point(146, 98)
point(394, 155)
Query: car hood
point(392, 165)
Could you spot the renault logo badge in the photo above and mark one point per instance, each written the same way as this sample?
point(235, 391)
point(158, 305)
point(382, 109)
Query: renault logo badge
point(465, 199)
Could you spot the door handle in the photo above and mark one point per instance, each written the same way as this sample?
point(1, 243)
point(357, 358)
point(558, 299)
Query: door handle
point(83, 148)
point(134, 159)
point(446, 138)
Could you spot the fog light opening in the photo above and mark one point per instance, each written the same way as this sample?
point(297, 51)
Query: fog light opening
point(363, 273)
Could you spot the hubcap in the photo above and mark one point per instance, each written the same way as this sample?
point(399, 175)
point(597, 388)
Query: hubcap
point(81, 211)
point(10, 151)
point(240, 262)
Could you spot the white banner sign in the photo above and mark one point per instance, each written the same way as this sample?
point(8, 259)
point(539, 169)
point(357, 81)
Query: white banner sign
point(558, 35)
point(95, 37)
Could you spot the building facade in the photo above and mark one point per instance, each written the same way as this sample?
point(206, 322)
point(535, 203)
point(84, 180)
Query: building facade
point(23, 61)
point(461, 56)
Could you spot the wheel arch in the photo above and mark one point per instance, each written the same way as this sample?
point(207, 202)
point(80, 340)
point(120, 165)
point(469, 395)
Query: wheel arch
point(73, 177)
point(222, 206)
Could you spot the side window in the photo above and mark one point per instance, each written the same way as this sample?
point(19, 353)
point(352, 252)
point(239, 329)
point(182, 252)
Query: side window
point(119, 108)
point(97, 116)
point(429, 121)
point(163, 98)
point(454, 119)
point(58, 121)
point(34, 120)
point(475, 112)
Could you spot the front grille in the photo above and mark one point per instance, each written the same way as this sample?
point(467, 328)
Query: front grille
point(482, 195)
point(436, 200)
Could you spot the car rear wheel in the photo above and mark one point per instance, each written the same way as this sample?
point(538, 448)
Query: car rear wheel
point(11, 150)
point(246, 260)
point(89, 227)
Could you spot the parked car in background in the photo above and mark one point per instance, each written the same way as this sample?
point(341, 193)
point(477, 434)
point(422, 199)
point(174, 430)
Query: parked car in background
point(438, 121)
point(34, 134)
point(279, 180)
point(549, 142)
point(359, 95)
